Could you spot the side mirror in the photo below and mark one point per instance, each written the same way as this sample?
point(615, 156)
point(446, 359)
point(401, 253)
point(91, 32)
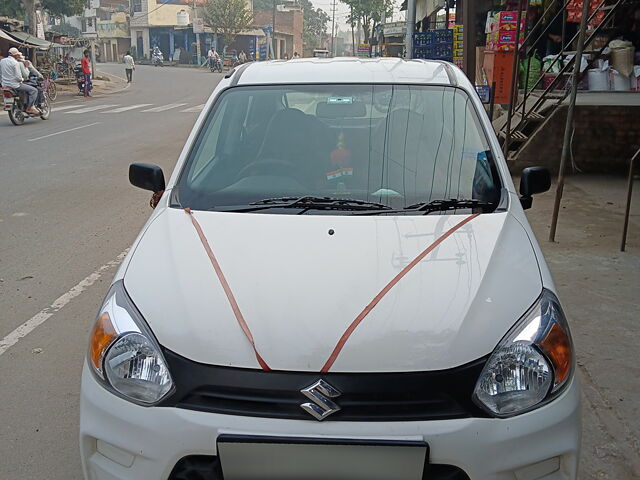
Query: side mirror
point(533, 180)
point(146, 176)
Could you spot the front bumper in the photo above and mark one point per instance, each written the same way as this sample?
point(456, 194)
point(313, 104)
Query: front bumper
point(123, 441)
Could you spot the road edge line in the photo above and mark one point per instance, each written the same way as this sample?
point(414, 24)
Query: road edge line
point(43, 315)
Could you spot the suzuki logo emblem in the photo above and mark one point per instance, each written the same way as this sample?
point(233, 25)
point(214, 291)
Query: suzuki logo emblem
point(320, 393)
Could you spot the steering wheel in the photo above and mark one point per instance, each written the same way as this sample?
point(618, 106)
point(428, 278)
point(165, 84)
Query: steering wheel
point(269, 166)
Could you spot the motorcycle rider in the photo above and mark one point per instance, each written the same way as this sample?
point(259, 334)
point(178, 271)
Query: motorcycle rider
point(213, 57)
point(33, 71)
point(156, 55)
point(34, 77)
point(11, 77)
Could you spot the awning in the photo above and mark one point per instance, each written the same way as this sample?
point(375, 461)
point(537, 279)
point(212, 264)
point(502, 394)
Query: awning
point(28, 40)
point(5, 36)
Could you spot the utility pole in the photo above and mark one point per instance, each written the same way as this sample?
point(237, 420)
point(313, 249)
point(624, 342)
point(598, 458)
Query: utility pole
point(353, 35)
point(333, 25)
point(195, 17)
point(411, 24)
point(468, 18)
point(273, 26)
point(92, 44)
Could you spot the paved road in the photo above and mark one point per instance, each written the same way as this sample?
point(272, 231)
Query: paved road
point(66, 213)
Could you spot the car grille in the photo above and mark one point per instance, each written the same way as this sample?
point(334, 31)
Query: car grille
point(437, 395)
point(205, 467)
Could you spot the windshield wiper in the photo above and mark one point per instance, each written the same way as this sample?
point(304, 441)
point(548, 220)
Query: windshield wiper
point(311, 203)
point(438, 206)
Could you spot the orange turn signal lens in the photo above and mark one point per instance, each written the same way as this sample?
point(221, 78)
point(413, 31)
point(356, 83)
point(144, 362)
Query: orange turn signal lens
point(557, 346)
point(102, 335)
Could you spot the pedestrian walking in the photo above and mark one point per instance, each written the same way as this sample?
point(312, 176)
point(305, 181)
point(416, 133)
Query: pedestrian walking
point(129, 66)
point(86, 71)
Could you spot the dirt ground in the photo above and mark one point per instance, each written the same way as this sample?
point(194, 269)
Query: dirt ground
point(599, 287)
point(103, 84)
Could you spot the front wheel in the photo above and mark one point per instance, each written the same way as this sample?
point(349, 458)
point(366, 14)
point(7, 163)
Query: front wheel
point(16, 115)
point(52, 91)
point(45, 108)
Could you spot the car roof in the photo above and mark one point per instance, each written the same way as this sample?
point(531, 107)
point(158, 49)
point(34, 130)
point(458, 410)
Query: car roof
point(349, 70)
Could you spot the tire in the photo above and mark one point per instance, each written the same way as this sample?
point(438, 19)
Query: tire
point(16, 115)
point(45, 108)
point(52, 91)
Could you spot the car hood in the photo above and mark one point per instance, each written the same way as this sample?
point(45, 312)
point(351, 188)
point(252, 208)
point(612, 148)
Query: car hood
point(299, 288)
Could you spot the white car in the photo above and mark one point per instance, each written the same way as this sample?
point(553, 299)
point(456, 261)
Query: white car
point(338, 282)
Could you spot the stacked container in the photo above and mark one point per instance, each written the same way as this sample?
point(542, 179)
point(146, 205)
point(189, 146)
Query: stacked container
point(434, 45)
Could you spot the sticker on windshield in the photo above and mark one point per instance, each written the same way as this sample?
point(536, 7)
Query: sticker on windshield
point(387, 192)
point(343, 172)
point(339, 100)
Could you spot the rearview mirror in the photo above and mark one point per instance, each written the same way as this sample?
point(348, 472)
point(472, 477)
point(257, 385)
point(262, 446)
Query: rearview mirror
point(146, 176)
point(533, 180)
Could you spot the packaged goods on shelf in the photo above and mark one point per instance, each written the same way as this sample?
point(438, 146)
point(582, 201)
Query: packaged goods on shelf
point(574, 11)
point(503, 41)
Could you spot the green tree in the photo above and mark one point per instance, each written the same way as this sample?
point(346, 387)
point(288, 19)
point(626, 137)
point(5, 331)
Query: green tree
point(263, 5)
point(59, 8)
point(369, 12)
point(228, 18)
point(315, 24)
point(11, 8)
point(66, 29)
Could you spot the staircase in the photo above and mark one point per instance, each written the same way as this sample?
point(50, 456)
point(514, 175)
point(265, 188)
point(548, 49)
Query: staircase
point(534, 106)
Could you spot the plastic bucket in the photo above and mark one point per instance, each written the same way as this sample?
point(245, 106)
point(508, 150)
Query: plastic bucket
point(619, 82)
point(598, 80)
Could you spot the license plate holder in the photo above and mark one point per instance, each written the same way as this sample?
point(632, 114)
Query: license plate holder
point(249, 457)
point(7, 102)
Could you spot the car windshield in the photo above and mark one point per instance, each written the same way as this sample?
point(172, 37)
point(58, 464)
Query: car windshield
point(395, 145)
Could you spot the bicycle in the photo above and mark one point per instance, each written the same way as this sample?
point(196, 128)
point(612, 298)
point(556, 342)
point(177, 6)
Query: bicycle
point(49, 86)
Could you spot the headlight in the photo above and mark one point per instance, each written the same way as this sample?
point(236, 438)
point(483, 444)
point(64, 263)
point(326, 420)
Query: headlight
point(123, 353)
point(531, 364)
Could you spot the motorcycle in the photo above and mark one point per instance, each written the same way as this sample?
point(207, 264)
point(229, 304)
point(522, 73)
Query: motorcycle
point(157, 60)
point(15, 103)
point(80, 80)
point(215, 65)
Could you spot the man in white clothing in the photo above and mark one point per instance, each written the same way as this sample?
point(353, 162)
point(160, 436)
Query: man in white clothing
point(129, 66)
point(11, 77)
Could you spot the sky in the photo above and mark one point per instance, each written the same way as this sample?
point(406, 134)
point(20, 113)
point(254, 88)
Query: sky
point(342, 10)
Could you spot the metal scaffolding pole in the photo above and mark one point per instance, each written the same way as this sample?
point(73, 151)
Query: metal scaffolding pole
point(513, 93)
point(568, 128)
point(627, 210)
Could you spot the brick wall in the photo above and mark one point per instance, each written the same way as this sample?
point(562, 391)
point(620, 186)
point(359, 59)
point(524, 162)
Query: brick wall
point(289, 23)
point(605, 138)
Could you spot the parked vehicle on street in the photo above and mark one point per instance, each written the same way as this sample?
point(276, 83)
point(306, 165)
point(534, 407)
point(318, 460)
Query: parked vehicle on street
point(15, 104)
point(80, 80)
point(49, 86)
point(338, 282)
